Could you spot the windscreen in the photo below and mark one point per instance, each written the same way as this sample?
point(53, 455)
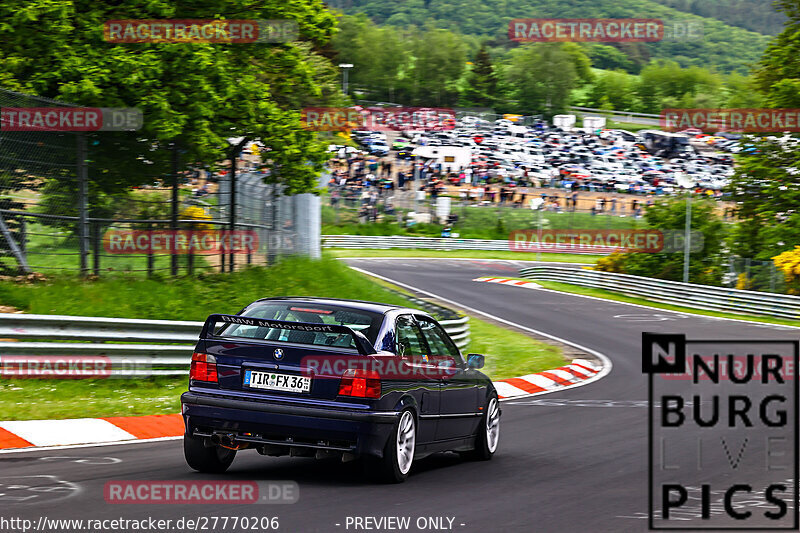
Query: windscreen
point(365, 322)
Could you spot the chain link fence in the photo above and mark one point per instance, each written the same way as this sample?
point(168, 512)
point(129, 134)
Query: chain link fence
point(109, 201)
point(752, 275)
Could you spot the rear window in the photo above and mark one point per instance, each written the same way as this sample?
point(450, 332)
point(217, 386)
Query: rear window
point(359, 320)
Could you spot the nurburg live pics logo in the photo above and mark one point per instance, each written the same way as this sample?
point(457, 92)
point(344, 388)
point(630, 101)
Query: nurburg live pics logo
point(722, 433)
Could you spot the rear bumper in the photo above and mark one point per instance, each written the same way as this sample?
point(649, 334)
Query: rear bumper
point(290, 425)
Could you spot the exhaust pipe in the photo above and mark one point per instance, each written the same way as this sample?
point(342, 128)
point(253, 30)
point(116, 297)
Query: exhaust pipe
point(223, 439)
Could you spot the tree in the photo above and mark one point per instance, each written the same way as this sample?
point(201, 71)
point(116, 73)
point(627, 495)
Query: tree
point(665, 81)
point(581, 62)
point(766, 185)
point(766, 189)
point(378, 55)
point(609, 58)
point(439, 57)
point(615, 90)
point(778, 75)
point(705, 266)
point(481, 83)
point(541, 77)
point(193, 96)
point(742, 92)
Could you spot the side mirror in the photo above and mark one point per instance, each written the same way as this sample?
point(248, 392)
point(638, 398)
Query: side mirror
point(475, 360)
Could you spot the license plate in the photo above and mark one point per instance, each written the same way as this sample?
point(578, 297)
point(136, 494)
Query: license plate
point(276, 381)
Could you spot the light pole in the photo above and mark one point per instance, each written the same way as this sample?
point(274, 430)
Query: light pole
point(537, 204)
point(345, 68)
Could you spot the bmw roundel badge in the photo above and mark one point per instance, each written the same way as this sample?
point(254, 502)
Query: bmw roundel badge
point(278, 353)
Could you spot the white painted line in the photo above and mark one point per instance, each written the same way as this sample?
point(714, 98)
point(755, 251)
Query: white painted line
point(475, 259)
point(92, 445)
point(607, 365)
point(507, 390)
point(74, 431)
point(662, 310)
point(606, 300)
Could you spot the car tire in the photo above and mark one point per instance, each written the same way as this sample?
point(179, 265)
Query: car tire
point(213, 460)
point(398, 455)
point(488, 436)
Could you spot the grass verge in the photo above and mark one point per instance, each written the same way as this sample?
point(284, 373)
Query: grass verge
point(192, 298)
point(43, 399)
point(468, 254)
point(610, 295)
point(475, 222)
point(509, 353)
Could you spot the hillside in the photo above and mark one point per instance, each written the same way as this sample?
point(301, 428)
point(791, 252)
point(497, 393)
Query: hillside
point(754, 15)
point(726, 47)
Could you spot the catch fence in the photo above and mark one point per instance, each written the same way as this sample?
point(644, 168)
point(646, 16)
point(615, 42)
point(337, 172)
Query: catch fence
point(67, 197)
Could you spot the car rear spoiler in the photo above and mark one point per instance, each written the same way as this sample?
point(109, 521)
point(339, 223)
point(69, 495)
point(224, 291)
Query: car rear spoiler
point(362, 343)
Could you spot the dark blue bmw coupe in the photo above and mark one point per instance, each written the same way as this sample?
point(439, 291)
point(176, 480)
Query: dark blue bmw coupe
point(323, 378)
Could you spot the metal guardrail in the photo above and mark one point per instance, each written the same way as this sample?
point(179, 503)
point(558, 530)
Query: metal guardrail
point(433, 243)
point(672, 292)
point(135, 347)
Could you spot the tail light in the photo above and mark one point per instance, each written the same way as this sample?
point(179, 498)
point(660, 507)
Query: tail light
point(360, 384)
point(204, 367)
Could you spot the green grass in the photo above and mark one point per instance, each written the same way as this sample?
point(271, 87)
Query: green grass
point(508, 353)
point(469, 254)
point(475, 223)
point(614, 125)
point(53, 250)
point(41, 399)
point(610, 295)
point(191, 298)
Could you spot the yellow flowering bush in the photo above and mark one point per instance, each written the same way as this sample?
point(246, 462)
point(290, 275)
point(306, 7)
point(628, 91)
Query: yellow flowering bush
point(789, 263)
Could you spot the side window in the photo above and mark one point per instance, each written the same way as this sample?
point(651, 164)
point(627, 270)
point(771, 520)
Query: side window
point(409, 338)
point(438, 340)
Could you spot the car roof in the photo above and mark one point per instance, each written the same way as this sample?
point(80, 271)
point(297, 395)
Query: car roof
point(375, 307)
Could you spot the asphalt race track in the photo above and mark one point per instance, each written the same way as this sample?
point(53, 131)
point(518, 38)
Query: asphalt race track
point(575, 460)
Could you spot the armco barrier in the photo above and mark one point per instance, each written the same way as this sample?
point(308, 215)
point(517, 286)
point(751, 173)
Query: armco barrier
point(673, 292)
point(434, 243)
point(135, 347)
